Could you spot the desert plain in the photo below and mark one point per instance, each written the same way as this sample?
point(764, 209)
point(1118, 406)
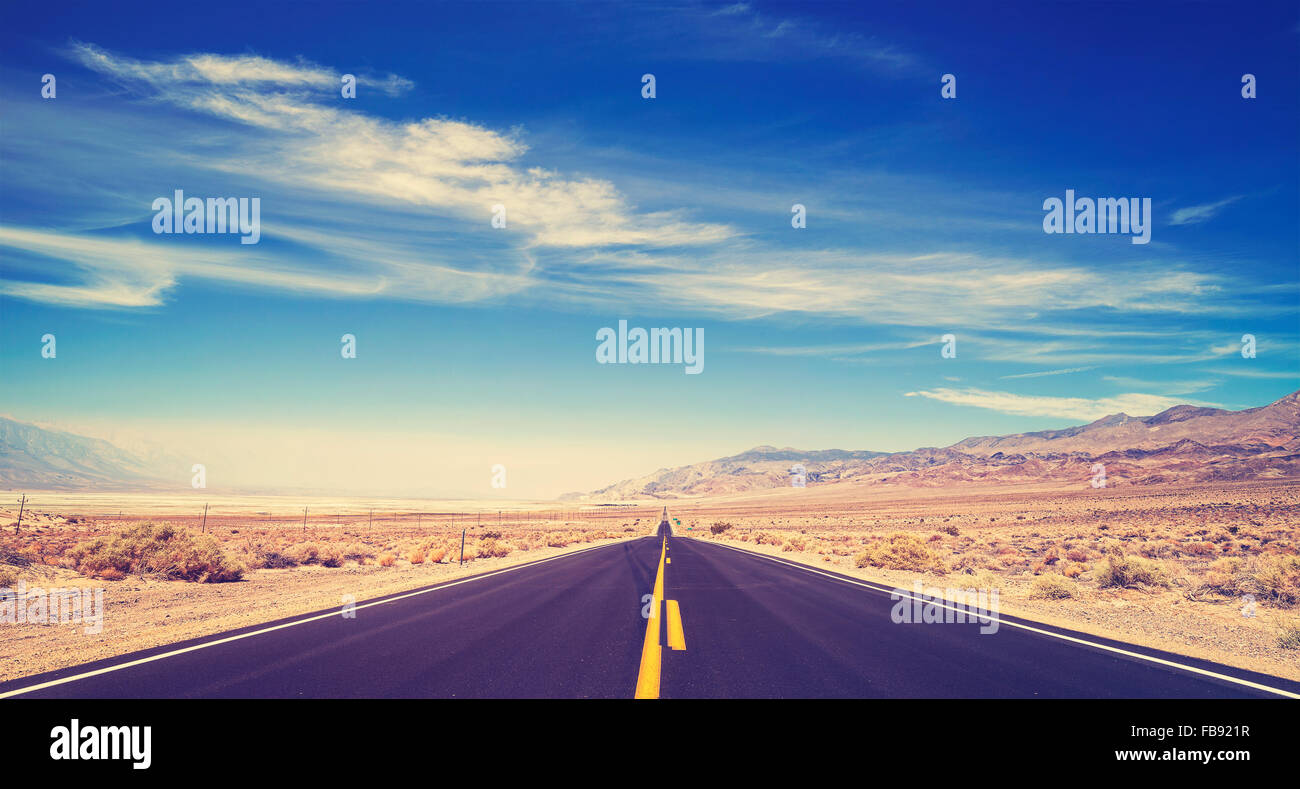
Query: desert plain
point(1208, 571)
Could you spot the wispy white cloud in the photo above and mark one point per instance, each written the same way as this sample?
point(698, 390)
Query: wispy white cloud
point(733, 9)
point(1134, 404)
point(1200, 213)
point(740, 31)
point(1172, 387)
point(450, 166)
point(955, 289)
point(128, 272)
point(198, 70)
point(844, 349)
point(1242, 373)
point(1065, 371)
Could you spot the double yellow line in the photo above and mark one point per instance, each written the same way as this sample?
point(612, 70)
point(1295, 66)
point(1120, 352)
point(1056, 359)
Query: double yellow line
point(647, 681)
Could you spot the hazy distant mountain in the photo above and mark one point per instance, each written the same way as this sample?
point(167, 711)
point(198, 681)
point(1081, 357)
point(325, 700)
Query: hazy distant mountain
point(1182, 444)
point(760, 467)
point(35, 457)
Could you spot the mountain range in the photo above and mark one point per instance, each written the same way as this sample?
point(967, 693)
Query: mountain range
point(38, 457)
point(1182, 444)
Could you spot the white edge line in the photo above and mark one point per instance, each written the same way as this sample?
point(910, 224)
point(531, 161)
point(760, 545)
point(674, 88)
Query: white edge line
point(194, 647)
point(1022, 626)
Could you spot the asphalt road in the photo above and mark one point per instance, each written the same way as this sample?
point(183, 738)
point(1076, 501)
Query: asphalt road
point(572, 626)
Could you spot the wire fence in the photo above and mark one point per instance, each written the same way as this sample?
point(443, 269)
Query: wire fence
point(214, 519)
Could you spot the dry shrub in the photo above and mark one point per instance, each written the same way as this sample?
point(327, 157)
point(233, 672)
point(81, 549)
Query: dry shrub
point(900, 552)
point(1120, 570)
point(8, 576)
point(1077, 555)
point(1074, 570)
point(1052, 587)
point(1272, 580)
point(1278, 578)
point(272, 560)
point(387, 560)
point(492, 547)
point(1288, 635)
point(1155, 549)
point(415, 557)
point(169, 551)
point(982, 579)
point(437, 556)
point(357, 551)
point(796, 544)
point(311, 553)
point(1198, 548)
point(719, 527)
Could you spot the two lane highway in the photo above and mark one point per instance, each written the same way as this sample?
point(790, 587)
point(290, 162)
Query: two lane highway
point(742, 625)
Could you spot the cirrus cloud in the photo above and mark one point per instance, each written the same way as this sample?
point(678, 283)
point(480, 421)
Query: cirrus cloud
point(1133, 403)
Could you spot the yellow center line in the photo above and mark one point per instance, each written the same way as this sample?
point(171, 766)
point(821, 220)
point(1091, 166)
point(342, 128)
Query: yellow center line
point(647, 681)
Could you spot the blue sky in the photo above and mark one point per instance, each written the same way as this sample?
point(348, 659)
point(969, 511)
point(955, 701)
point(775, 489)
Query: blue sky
point(476, 345)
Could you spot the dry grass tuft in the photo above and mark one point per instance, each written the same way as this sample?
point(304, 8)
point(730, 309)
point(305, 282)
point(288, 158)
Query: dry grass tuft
point(1120, 570)
point(1052, 587)
point(1271, 580)
point(1288, 636)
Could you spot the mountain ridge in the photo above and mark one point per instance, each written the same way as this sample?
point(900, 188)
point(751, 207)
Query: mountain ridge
point(37, 457)
point(1181, 443)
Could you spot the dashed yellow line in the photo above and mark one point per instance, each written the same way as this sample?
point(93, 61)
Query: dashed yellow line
point(676, 637)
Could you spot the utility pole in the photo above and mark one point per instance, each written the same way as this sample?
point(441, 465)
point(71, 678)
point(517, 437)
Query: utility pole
point(462, 546)
point(204, 528)
point(304, 519)
point(21, 506)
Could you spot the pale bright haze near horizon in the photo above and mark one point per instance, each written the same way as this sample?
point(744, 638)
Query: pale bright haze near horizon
point(476, 345)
